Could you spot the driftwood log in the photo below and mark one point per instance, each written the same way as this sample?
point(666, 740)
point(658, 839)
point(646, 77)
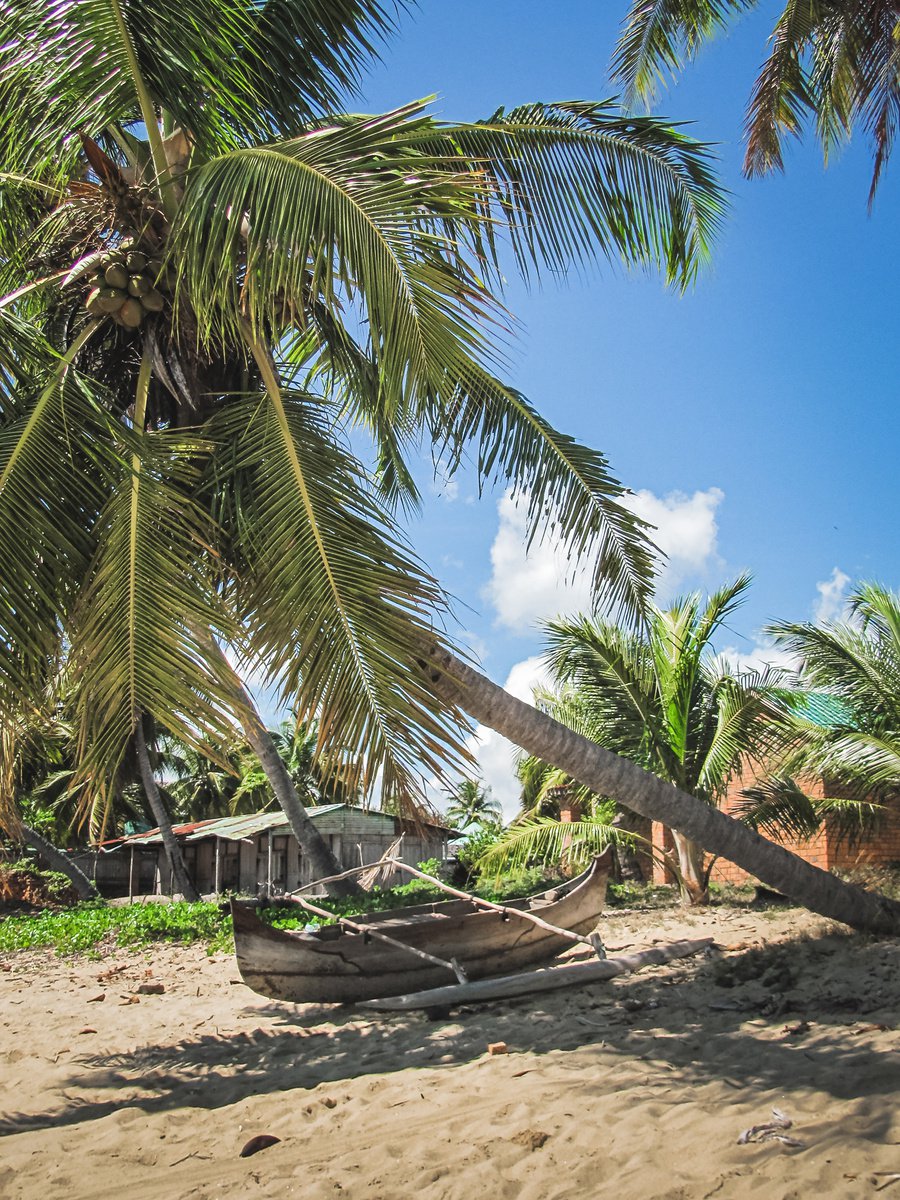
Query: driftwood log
point(530, 983)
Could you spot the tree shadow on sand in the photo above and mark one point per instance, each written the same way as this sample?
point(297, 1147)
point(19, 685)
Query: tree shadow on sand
point(811, 1026)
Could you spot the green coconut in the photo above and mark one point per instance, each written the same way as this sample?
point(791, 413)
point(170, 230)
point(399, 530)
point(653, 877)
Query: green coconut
point(116, 276)
point(94, 303)
point(153, 300)
point(131, 314)
point(111, 299)
point(138, 285)
point(135, 261)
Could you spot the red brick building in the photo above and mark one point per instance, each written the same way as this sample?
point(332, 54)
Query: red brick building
point(826, 849)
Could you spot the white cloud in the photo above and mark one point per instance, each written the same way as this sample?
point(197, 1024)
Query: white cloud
point(685, 530)
point(762, 654)
point(832, 597)
point(526, 588)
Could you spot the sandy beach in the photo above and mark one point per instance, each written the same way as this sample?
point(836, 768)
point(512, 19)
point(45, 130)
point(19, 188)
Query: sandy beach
point(144, 1075)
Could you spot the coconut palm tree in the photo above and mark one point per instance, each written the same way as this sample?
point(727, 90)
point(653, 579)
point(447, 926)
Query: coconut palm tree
point(661, 698)
point(609, 774)
point(834, 63)
point(471, 804)
point(212, 275)
point(846, 721)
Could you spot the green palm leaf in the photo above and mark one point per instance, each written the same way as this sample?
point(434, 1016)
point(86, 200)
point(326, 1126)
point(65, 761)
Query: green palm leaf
point(578, 180)
point(658, 36)
point(52, 464)
point(332, 602)
point(149, 587)
point(546, 840)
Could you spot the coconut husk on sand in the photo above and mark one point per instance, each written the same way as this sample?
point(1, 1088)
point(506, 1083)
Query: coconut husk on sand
point(638, 1089)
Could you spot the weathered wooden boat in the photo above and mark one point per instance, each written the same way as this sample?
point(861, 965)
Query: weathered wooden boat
point(339, 965)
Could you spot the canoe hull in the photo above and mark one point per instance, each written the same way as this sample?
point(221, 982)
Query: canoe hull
point(343, 967)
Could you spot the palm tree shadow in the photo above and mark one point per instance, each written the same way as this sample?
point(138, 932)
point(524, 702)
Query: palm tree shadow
point(703, 1036)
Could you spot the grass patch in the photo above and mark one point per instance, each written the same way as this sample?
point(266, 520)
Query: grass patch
point(93, 927)
point(641, 895)
point(87, 928)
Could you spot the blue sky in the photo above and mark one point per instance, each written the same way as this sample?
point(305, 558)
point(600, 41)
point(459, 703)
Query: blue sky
point(755, 416)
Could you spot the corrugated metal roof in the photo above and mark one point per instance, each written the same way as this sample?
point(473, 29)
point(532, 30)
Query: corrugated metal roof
point(821, 708)
point(232, 829)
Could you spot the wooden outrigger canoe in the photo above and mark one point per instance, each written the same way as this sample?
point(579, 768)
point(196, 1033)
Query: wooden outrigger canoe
point(341, 966)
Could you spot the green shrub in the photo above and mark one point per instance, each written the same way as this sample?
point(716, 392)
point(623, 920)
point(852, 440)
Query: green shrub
point(83, 928)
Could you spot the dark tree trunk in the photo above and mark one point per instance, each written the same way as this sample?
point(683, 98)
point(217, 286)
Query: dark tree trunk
point(323, 862)
point(60, 861)
point(181, 879)
point(609, 775)
point(627, 858)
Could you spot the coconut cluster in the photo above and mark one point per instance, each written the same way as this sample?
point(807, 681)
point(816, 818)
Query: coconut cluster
point(127, 286)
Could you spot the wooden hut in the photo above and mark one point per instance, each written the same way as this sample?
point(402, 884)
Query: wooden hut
point(258, 854)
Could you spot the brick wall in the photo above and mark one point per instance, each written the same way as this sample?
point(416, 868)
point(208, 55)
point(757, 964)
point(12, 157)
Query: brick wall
point(825, 850)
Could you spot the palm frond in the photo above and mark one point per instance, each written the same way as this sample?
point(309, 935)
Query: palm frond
point(54, 465)
point(779, 807)
point(749, 725)
point(574, 181)
point(658, 36)
point(266, 231)
point(333, 603)
point(783, 94)
point(567, 489)
point(547, 841)
point(149, 586)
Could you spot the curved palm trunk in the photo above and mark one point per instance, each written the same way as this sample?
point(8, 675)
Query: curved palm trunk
point(183, 881)
point(60, 862)
point(610, 775)
point(323, 862)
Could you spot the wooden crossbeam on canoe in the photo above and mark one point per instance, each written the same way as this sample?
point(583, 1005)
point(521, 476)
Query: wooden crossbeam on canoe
point(530, 983)
point(369, 932)
point(591, 940)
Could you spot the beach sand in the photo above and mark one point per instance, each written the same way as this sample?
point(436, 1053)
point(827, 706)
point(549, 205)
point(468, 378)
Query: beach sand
point(636, 1089)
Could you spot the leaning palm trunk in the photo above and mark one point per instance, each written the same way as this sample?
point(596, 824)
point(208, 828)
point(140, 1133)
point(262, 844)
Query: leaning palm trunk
point(609, 775)
point(180, 877)
point(322, 860)
point(59, 862)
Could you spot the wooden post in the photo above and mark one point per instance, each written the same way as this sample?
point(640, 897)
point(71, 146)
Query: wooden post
point(269, 855)
point(217, 886)
point(131, 876)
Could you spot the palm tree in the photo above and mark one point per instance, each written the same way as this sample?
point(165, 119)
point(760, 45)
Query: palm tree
point(660, 698)
point(846, 721)
point(199, 787)
point(38, 770)
point(210, 279)
point(471, 803)
point(609, 774)
point(835, 63)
